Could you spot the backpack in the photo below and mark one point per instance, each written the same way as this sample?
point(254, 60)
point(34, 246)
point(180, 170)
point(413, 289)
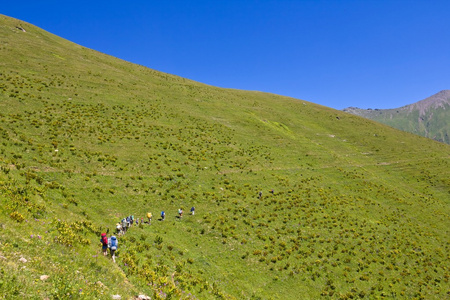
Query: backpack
point(113, 243)
point(104, 240)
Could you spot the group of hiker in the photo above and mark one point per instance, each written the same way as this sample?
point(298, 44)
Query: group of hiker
point(122, 227)
point(163, 214)
point(125, 223)
point(109, 243)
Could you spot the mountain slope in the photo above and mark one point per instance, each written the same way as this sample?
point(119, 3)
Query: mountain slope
point(429, 117)
point(349, 207)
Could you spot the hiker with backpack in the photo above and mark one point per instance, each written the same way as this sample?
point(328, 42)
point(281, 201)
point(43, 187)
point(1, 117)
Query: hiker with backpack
point(104, 241)
point(163, 215)
point(149, 216)
point(112, 245)
point(119, 229)
point(192, 210)
point(124, 225)
point(180, 213)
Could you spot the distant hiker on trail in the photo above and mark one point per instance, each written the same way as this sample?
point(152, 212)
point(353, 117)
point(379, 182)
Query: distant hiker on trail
point(180, 212)
point(142, 221)
point(104, 241)
point(132, 219)
point(112, 245)
point(124, 225)
point(163, 215)
point(149, 216)
point(260, 195)
point(192, 210)
point(137, 221)
point(118, 229)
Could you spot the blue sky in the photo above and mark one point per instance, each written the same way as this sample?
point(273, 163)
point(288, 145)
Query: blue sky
point(369, 54)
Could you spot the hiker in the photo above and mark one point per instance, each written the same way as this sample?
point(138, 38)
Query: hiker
point(104, 241)
point(163, 215)
point(142, 221)
point(119, 229)
point(137, 221)
point(124, 225)
point(180, 212)
point(149, 216)
point(260, 195)
point(132, 219)
point(128, 219)
point(192, 210)
point(112, 245)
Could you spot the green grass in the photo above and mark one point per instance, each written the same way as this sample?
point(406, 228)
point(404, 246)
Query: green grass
point(358, 209)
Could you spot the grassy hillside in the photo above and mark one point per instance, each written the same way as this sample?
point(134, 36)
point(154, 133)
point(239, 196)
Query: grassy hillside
point(358, 209)
point(429, 117)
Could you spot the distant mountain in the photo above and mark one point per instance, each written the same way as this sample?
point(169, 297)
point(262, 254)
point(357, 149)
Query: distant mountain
point(429, 117)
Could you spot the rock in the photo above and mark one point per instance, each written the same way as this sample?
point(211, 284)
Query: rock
point(143, 297)
point(44, 277)
point(23, 259)
point(116, 297)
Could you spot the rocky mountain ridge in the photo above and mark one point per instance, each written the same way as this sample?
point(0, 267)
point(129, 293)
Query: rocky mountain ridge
point(429, 117)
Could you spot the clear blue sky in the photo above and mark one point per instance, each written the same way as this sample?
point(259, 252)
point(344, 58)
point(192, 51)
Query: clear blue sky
point(365, 53)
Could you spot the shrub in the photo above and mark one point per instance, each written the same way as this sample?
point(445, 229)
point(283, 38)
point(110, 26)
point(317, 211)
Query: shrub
point(17, 216)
